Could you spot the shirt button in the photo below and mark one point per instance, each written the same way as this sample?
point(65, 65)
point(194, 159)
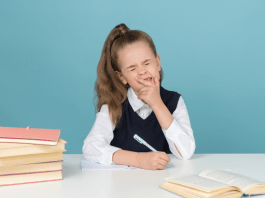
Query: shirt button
point(170, 135)
point(106, 161)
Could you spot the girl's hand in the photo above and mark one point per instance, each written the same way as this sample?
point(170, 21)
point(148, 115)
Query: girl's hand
point(150, 93)
point(153, 160)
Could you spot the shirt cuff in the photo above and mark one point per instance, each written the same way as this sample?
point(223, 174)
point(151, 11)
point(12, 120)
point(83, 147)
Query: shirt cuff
point(174, 134)
point(106, 157)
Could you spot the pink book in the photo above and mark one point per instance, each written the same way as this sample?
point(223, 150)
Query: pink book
point(29, 135)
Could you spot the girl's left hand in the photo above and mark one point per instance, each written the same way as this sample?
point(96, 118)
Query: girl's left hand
point(150, 93)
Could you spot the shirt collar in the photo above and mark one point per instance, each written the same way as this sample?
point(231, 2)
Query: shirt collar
point(134, 101)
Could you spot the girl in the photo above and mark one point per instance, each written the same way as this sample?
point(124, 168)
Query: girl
point(132, 101)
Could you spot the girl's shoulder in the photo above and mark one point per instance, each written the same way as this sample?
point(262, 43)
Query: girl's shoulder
point(105, 109)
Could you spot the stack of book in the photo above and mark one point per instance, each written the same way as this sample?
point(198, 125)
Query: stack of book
point(30, 155)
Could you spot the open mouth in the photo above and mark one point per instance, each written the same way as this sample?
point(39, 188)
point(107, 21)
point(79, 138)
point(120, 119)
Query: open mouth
point(149, 79)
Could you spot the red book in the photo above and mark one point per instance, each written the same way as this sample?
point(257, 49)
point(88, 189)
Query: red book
point(29, 135)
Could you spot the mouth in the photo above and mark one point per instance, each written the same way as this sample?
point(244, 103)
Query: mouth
point(149, 79)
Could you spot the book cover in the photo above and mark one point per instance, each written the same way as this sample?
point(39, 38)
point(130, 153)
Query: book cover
point(29, 135)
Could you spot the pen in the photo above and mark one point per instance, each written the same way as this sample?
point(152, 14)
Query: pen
point(141, 141)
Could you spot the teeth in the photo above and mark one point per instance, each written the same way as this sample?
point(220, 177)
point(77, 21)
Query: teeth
point(148, 78)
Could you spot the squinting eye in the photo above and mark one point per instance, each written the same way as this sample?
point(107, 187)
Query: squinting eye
point(133, 69)
point(147, 63)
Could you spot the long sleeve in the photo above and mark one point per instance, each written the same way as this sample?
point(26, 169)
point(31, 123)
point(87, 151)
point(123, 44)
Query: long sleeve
point(180, 133)
point(97, 143)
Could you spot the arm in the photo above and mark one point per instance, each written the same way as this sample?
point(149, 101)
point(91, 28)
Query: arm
point(97, 144)
point(148, 161)
point(97, 147)
point(128, 158)
point(124, 157)
point(176, 128)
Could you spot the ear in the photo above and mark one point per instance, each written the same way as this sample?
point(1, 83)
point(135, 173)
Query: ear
point(158, 62)
point(121, 77)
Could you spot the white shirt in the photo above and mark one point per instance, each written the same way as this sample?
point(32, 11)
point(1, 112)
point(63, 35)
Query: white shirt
point(97, 143)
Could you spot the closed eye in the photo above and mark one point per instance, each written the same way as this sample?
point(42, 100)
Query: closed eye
point(134, 68)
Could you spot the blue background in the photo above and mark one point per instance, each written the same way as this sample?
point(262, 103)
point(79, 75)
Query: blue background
point(212, 52)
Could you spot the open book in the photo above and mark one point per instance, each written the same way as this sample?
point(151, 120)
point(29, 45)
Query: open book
point(213, 183)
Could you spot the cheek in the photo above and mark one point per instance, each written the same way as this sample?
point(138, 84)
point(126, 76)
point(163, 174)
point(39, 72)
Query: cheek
point(132, 78)
point(133, 81)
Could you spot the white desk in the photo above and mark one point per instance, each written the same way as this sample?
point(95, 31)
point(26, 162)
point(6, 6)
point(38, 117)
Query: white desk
point(132, 183)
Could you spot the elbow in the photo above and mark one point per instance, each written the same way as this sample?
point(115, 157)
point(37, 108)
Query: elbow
point(84, 149)
point(188, 155)
point(87, 149)
point(92, 149)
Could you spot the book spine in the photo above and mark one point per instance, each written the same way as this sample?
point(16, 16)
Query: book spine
point(31, 150)
point(32, 182)
point(30, 173)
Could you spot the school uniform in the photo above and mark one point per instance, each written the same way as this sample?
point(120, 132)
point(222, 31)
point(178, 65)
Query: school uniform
point(138, 118)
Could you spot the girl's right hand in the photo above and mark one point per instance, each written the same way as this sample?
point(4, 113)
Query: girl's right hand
point(153, 160)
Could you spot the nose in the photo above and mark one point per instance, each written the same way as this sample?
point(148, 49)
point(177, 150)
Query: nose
point(142, 71)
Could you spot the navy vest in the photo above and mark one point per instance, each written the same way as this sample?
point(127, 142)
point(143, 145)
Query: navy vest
point(148, 129)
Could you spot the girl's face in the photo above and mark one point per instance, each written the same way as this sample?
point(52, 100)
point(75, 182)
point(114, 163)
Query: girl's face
point(137, 59)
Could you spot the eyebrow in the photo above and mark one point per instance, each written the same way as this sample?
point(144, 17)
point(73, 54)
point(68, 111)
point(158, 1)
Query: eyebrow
point(142, 62)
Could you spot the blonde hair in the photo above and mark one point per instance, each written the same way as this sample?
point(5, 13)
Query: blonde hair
point(108, 87)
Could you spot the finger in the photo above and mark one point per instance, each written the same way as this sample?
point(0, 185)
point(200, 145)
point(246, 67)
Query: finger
point(156, 79)
point(165, 157)
point(143, 89)
point(144, 82)
point(152, 80)
point(160, 167)
point(142, 96)
point(163, 162)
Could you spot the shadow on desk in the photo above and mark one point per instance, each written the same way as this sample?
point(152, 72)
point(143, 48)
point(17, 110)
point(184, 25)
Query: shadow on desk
point(197, 156)
point(70, 168)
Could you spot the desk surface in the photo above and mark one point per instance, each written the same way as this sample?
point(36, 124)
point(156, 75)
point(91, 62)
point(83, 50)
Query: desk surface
point(132, 183)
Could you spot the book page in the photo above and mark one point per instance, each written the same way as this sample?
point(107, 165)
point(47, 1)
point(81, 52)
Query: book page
point(231, 178)
point(88, 164)
point(197, 182)
point(169, 165)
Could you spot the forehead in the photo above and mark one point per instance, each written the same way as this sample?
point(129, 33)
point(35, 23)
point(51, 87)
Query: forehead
point(134, 53)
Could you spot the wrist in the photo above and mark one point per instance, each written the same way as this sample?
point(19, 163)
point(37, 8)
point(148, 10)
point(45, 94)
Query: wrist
point(157, 105)
point(138, 159)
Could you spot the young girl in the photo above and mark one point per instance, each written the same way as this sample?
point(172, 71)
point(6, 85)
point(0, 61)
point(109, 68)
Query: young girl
point(132, 101)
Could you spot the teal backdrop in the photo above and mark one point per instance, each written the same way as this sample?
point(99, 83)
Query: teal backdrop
point(212, 52)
